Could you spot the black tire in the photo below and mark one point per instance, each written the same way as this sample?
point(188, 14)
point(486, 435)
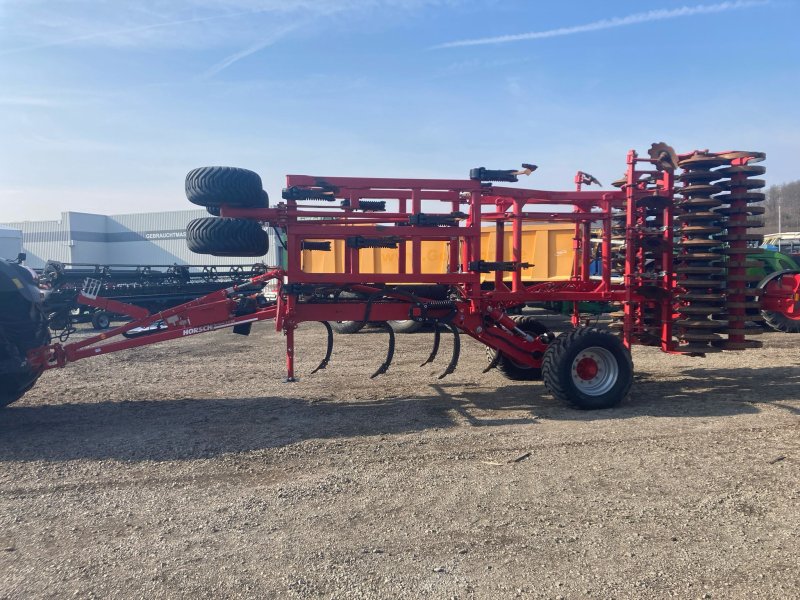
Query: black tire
point(215, 186)
point(101, 319)
point(347, 326)
point(780, 322)
point(23, 326)
point(609, 369)
point(405, 326)
point(777, 320)
point(221, 236)
point(58, 321)
point(508, 367)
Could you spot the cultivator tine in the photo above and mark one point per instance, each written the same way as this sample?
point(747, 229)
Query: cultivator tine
point(456, 352)
point(493, 363)
point(328, 350)
point(437, 336)
point(389, 354)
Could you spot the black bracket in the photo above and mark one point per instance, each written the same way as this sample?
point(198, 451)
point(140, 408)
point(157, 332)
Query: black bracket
point(483, 174)
point(509, 175)
point(367, 205)
point(419, 312)
point(327, 194)
point(311, 245)
point(298, 289)
point(359, 242)
point(483, 266)
point(424, 220)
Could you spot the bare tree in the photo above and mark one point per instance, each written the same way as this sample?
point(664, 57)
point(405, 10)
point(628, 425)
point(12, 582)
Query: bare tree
point(783, 199)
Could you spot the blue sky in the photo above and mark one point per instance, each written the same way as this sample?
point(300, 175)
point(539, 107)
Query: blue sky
point(105, 105)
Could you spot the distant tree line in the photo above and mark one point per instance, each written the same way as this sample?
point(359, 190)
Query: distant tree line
point(787, 196)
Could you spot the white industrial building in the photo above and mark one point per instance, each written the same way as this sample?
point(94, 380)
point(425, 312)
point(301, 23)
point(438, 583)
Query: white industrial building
point(156, 238)
point(10, 242)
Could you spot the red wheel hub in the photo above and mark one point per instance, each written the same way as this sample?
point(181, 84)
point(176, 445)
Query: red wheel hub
point(586, 368)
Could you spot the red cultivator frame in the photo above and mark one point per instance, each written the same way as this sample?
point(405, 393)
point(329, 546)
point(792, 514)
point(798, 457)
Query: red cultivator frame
point(673, 257)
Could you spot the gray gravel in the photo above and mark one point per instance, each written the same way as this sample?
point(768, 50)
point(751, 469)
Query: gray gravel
point(190, 469)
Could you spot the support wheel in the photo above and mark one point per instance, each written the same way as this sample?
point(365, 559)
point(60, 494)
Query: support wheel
point(588, 368)
point(347, 326)
point(221, 236)
point(101, 320)
point(405, 326)
point(508, 367)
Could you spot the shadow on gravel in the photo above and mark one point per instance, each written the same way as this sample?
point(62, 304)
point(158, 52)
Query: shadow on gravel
point(160, 430)
point(703, 393)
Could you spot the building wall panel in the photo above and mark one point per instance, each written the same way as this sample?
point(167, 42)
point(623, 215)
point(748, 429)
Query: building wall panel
point(134, 239)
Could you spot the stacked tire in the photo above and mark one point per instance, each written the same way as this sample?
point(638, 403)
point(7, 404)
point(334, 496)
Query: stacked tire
point(214, 187)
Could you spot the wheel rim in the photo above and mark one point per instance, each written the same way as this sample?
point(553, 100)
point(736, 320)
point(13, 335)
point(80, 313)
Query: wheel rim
point(594, 371)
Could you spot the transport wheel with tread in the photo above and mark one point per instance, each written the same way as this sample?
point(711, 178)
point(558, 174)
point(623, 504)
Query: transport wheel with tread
point(347, 326)
point(215, 186)
point(222, 236)
point(405, 326)
point(510, 369)
point(588, 368)
point(101, 320)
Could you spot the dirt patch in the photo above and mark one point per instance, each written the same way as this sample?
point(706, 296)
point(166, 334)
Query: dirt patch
point(191, 469)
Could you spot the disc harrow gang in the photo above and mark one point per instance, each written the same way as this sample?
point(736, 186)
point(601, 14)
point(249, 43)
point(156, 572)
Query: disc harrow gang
point(714, 216)
point(673, 255)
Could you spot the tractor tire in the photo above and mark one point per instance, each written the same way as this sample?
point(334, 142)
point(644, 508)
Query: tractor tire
point(347, 326)
point(405, 326)
point(23, 326)
point(508, 367)
point(220, 236)
point(215, 186)
point(781, 322)
point(789, 320)
point(588, 368)
point(101, 320)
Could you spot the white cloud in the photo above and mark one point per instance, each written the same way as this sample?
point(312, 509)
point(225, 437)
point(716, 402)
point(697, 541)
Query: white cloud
point(634, 19)
point(28, 101)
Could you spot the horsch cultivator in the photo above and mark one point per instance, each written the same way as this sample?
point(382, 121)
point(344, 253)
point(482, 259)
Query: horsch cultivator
point(674, 250)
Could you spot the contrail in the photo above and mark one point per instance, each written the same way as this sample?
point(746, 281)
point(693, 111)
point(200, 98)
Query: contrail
point(111, 33)
point(229, 60)
point(634, 19)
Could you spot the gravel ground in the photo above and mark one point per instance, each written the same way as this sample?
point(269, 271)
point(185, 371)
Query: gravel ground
point(191, 470)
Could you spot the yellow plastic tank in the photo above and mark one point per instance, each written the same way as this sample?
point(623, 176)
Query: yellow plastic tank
point(547, 246)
